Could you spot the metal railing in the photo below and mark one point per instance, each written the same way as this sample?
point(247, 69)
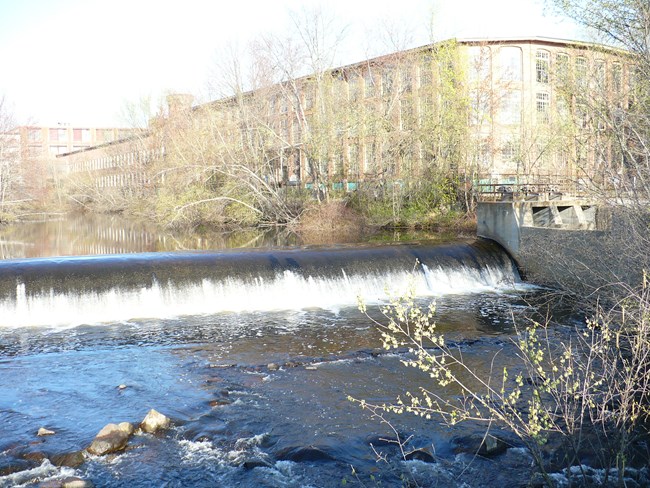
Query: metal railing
point(528, 187)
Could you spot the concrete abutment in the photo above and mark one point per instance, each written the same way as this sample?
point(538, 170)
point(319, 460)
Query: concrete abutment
point(570, 244)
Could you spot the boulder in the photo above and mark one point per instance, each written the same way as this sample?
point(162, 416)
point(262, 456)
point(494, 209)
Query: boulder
point(126, 427)
point(70, 459)
point(256, 462)
point(155, 421)
point(483, 445)
point(423, 454)
point(35, 456)
point(18, 466)
point(111, 438)
point(74, 482)
point(43, 431)
point(492, 446)
point(67, 482)
point(299, 454)
point(51, 484)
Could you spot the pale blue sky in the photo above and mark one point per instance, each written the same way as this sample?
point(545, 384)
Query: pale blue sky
point(80, 61)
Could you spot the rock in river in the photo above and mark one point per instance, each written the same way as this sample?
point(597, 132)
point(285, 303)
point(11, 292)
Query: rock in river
point(71, 459)
point(484, 445)
point(68, 482)
point(111, 438)
point(154, 421)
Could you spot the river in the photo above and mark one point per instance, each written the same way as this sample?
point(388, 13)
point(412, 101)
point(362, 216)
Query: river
point(251, 352)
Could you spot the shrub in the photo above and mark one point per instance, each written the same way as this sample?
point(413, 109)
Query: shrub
point(592, 388)
point(7, 218)
point(410, 203)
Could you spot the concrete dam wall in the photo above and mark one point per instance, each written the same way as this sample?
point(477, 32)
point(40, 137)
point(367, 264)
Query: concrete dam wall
point(570, 244)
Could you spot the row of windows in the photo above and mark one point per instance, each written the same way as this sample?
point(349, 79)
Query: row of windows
point(543, 155)
point(373, 157)
point(509, 65)
point(410, 114)
point(62, 135)
point(354, 158)
point(510, 109)
point(509, 69)
point(372, 82)
point(580, 71)
point(65, 134)
point(110, 162)
point(121, 180)
point(514, 157)
point(581, 112)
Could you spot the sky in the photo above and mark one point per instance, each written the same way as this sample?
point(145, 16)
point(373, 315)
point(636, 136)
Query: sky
point(83, 62)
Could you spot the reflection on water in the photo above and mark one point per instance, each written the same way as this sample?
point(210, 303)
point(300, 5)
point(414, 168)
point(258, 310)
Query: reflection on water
point(89, 234)
point(105, 234)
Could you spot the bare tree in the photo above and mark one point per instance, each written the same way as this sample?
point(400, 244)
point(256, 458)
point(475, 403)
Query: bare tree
point(610, 112)
point(288, 125)
point(10, 159)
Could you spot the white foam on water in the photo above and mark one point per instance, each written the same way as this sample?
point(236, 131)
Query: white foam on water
point(46, 471)
point(288, 290)
point(597, 477)
point(464, 280)
point(198, 452)
point(195, 452)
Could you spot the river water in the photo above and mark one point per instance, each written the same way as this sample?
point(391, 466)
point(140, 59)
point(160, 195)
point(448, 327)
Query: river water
point(251, 352)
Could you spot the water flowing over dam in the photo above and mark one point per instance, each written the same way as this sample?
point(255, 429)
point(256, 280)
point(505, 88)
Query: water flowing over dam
point(91, 289)
point(252, 355)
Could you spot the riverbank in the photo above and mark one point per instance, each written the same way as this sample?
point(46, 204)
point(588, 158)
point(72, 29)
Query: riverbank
point(339, 221)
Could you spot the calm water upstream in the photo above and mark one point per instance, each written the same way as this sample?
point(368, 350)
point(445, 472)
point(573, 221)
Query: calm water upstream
point(251, 352)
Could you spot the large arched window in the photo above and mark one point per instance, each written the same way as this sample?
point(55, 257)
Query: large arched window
point(510, 63)
point(480, 64)
point(510, 108)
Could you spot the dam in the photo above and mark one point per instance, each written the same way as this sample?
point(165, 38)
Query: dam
point(563, 242)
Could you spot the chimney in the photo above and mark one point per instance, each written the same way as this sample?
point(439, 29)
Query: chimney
point(179, 102)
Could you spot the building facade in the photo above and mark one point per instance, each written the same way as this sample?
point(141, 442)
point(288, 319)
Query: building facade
point(39, 142)
point(516, 112)
point(28, 155)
